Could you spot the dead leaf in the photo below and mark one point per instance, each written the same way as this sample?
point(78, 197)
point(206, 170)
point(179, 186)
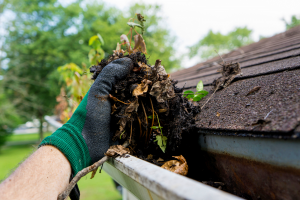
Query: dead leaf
point(94, 173)
point(255, 89)
point(160, 160)
point(142, 88)
point(124, 39)
point(177, 166)
point(139, 44)
point(150, 157)
point(145, 67)
point(229, 71)
point(133, 107)
point(113, 108)
point(218, 114)
point(117, 150)
point(118, 51)
point(163, 90)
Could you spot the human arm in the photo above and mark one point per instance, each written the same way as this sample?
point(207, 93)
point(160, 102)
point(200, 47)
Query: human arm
point(43, 175)
point(85, 138)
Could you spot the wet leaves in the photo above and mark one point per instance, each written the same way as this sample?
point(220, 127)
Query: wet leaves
point(177, 166)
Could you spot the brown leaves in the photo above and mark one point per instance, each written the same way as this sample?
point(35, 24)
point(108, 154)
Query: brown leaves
point(229, 71)
point(162, 87)
point(117, 150)
point(142, 88)
point(163, 90)
point(139, 44)
point(177, 166)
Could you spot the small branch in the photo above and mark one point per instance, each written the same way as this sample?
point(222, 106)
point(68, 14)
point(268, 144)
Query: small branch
point(209, 99)
point(146, 119)
point(78, 176)
point(130, 133)
point(141, 132)
point(82, 173)
point(152, 116)
point(116, 99)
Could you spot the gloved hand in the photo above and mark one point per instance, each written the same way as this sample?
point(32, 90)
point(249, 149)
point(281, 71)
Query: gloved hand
point(85, 137)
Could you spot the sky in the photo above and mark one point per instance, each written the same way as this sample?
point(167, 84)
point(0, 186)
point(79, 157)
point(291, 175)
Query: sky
point(190, 20)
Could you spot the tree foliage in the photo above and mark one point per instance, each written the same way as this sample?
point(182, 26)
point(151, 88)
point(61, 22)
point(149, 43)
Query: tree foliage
point(206, 47)
point(44, 35)
point(294, 22)
point(9, 119)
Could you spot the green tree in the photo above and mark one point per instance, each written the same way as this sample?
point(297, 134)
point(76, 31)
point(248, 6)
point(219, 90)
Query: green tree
point(44, 35)
point(206, 47)
point(9, 119)
point(294, 22)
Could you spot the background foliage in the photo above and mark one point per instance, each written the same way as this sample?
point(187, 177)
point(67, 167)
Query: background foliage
point(293, 22)
point(43, 35)
point(223, 43)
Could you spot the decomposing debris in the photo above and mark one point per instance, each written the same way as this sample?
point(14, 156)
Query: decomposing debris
point(117, 150)
point(149, 110)
point(177, 166)
point(218, 185)
point(229, 71)
point(260, 123)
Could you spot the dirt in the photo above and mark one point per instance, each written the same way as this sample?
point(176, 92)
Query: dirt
point(146, 98)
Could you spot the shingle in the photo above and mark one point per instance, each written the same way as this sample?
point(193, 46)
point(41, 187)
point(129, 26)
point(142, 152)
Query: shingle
point(273, 64)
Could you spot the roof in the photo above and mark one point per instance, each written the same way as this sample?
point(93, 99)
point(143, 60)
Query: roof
point(272, 66)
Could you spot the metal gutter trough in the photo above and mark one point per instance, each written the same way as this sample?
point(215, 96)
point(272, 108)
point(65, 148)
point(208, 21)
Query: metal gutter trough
point(253, 167)
point(150, 182)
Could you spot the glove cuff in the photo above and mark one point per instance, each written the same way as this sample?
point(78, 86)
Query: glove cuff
point(69, 140)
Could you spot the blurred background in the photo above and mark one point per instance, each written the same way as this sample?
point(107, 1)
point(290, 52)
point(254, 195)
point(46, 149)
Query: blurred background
point(47, 47)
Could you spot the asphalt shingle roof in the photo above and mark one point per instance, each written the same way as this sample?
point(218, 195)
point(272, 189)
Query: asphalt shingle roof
point(273, 64)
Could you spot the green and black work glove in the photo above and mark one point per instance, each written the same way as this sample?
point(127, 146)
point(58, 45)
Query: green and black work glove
point(86, 136)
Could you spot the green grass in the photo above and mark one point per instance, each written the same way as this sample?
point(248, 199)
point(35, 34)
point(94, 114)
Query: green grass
point(26, 137)
point(100, 187)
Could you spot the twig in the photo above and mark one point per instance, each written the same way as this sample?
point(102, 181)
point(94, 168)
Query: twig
point(146, 119)
point(159, 124)
point(209, 98)
point(130, 133)
point(220, 56)
point(116, 99)
point(82, 173)
point(152, 116)
point(78, 176)
point(268, 114)
point(141, 132)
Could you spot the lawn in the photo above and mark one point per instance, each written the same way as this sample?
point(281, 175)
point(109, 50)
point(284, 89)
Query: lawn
point(101, 187)
point(25, 137)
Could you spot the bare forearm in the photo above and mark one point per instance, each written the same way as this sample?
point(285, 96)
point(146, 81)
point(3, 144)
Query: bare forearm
point(43, 175)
